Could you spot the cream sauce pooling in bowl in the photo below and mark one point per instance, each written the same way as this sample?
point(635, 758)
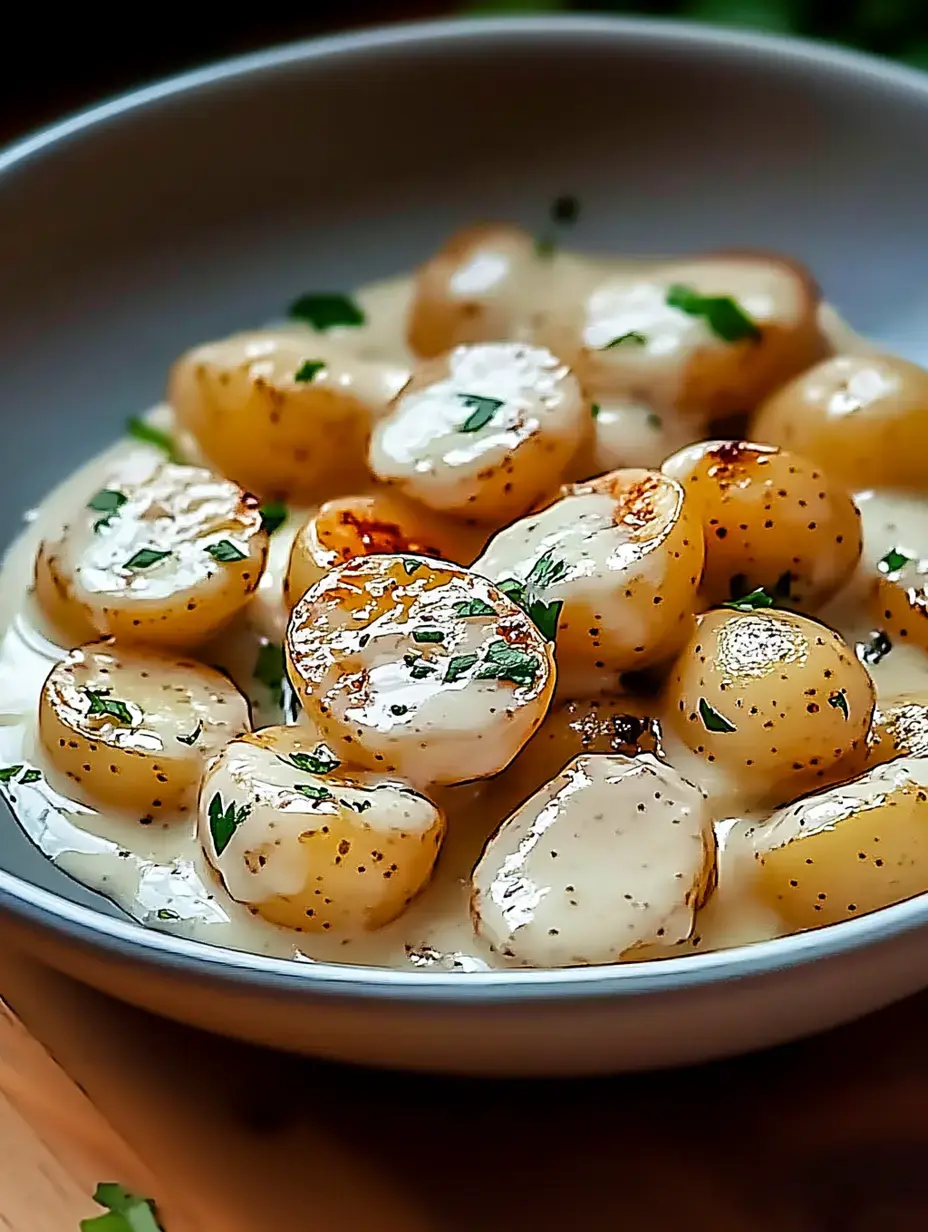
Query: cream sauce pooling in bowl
point(156, 869)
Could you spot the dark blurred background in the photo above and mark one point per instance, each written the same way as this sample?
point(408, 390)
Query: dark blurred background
point(52, 62)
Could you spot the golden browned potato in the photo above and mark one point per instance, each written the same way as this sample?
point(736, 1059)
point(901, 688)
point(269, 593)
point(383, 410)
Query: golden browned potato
point(477, 288)
point(771, 520)
point(899, 729)
point(613, 854)
point(849, 850)
point(862, 417)
point(899, 599)
point(708, 336)
point(380, 522)
point(165, 558)
point(285, 413)
point(623, 555)
point(306, 844)
point(772, 699)
point(418, 667)
point(484, 432)
point(132, 729)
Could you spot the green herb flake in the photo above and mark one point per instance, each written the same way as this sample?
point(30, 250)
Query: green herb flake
point(459, 666)
point(144, 558)
point(165, 913)
point(750, 603)
point(31, 776)
point(565, 210)
point(225, 552)
point(632, 336)
point(126, 1212)
point(838, 700)
point(427, 635)
point(712, 720)
point(473, 607)
point(273, 516)
point(654, 422)
point(148, 434)
point(482, 411)
point(194, 735)
point(320, 761)
point(8, 773)
point(893, 561)
point(411, 565)
point(505, 662)
point(398, 710)
point(594, 410)
point(545, 617)
point(359, 806)
point(421, 670)
point(312, 792)
point(545, 247)
point(224, 822)
point(724, 316)
point(269, 667)
point(308, 370)
point(108, 502)
point(327, 310)
point(545, 572)
point(101, 703)
point(513, 589)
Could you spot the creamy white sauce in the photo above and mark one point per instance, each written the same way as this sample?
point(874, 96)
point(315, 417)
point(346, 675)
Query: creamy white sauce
point(159, 874)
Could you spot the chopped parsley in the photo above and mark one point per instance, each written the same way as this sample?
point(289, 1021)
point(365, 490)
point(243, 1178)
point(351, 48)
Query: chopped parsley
point(108, 502)
point(194, 735)
point(874, 651)
point(327, 310)
point(144, 558)
point(565, 210)
point(512, 588)
point(481, 409)
point(594, 410)
point(893, 561)
point(125, 1211)
point(225, 551)
point(269, 669)
point(140, 430)
point(427, 635)
point(359, 806)
point(165, 913)
point(545, 617)
point(8, 773)
point(411, 565)
point(458, 666)
point(419, 667)
point(546, 571)
point(545, 247)
point(505, 662)
point(712, 720)
point(31, 776)
point(320, 761)
point(654, 421)
point(313, 793)
point(724, 316)
point(308, 370)
point(838, 700)
point(398, 710)
point(633, 336)
point(750, 603)
point(224, 822)
point(101, 703)
point(273, 516)
point(473, 607)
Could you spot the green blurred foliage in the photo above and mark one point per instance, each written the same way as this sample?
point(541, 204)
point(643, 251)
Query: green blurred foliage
point(892, 27)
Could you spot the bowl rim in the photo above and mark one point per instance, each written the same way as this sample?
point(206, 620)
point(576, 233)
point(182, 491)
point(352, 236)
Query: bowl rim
point(88, 928)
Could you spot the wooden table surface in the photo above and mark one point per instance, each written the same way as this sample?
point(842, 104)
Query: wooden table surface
point(828, 1135)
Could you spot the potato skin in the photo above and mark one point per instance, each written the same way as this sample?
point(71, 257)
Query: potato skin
point(771, 520)
point(850, 850)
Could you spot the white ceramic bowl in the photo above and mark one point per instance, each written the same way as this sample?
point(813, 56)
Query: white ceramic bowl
point(205, 203)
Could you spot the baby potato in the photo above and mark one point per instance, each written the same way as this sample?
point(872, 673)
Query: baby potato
point(852, 849)
point(622, 724)
point(899, 598)
point(286, 413)
point(131, 730)
point(485, 431)
point(861, 416)
point(371, 525)
point(628, 434)
point(773, 699)
point(708, 336)
point(477, 288)
point(307, 846)
point(165, 558)
point(623, 555)
point(771, 520)
point(418, 667)
point(614, 854)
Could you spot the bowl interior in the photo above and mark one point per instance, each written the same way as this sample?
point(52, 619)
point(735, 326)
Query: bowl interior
point(206, 205)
